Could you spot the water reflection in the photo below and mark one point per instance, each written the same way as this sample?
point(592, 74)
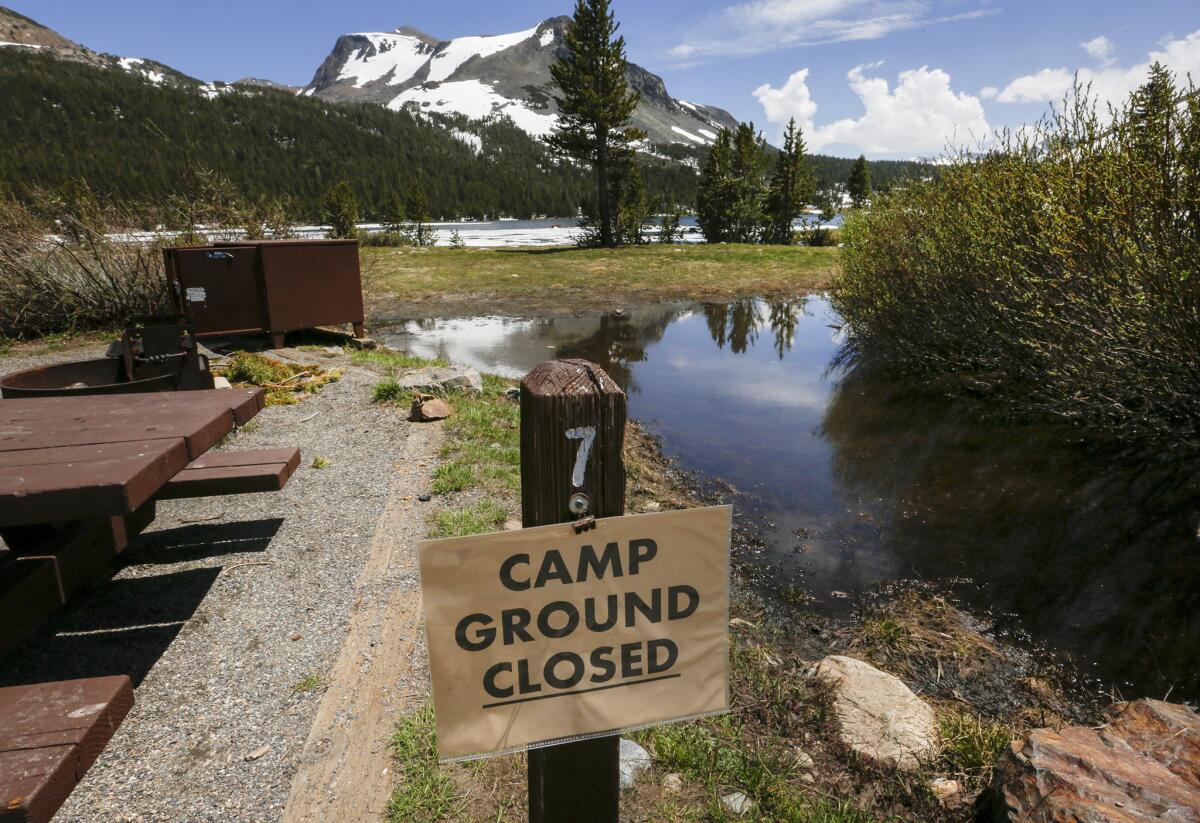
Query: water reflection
point(864, 480)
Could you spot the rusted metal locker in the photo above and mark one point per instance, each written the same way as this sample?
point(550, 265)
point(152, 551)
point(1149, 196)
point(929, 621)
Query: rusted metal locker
point(219, 290)
point(274, 286)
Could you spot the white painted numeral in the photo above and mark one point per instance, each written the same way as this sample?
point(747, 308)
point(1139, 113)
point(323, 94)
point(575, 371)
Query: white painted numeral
point(587, 434)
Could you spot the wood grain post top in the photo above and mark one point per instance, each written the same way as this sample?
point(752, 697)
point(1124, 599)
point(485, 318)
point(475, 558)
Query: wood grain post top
point(569, 377)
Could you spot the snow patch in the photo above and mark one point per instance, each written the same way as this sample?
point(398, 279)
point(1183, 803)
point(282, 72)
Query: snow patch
point(707, 134)
point(462, 49)
point(472, 140)
point(694, 138)
point(397, 54)
point(686, 104)
point(4, 43)
point(477, 100)
point(212, 91)
point(136, 65)
point(547, 38)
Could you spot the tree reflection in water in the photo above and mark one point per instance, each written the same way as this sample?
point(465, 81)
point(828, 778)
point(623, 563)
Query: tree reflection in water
point(737, 324)
point(1097, 554)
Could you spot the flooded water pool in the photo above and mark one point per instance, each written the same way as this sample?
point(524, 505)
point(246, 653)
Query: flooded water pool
point(859, 479)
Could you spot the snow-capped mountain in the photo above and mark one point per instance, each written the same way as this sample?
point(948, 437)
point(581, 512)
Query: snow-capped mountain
point(486, 76)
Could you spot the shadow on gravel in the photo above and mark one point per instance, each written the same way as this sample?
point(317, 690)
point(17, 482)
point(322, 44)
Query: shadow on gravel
point(200, 541)
point(120, 627)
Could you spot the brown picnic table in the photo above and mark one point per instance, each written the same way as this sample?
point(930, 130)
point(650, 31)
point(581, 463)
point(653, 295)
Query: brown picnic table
point(79, 477)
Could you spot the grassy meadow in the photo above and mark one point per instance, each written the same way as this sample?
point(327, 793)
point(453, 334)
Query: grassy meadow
point(567, 278)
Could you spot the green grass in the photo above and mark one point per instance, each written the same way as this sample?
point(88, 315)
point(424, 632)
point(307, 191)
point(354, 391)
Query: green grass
point(389, 359)
point(426, 792)
point(474, 518)
point(971, 744)
point(482, 276)
point(483, 441)
point(307, 684)
point(453, 477)
point(884, 632)
point(752, 748)
point(388, 390)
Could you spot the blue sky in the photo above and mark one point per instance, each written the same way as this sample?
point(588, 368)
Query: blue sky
point(891, 78)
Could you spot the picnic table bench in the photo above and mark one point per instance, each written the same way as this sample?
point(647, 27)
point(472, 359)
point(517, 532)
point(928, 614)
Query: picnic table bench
point(79, 478)
point(50, 735)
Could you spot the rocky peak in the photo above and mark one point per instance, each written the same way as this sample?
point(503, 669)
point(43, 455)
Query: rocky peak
point(19, 31)
point(491, 75)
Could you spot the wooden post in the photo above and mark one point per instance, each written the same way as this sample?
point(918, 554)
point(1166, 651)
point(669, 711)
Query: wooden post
point(572, 440)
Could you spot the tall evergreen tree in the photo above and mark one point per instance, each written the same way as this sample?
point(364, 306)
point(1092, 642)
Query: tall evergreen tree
point(594, 101)
point(341, 211)
point(859, 182)
point(716, 190)
point(791, 187)
point(748, 167)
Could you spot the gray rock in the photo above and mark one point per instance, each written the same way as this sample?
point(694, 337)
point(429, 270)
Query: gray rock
point(438, 378)
point(513, 393)
point(803, 759)
point(634, 761)
point(737, 803)
point(673, 783)
point(878, 716)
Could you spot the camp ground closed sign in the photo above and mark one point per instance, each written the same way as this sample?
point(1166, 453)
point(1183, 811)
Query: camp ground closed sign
point(542, 635)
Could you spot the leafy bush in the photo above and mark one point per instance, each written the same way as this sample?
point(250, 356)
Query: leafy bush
point(1059, 271)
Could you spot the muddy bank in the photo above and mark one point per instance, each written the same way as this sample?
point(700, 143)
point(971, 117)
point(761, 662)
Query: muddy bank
point(984, 691)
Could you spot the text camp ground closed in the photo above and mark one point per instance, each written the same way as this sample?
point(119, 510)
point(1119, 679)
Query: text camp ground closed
point(543, 634)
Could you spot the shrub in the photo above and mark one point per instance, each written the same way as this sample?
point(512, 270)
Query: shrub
point(1060, 268)
point(60, 270)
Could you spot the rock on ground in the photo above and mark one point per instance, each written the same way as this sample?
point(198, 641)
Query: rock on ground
point(878, 716)
point(737, 803)
point(1142, 765)
point(634, 761)
point(426, 409)
point(442, 378)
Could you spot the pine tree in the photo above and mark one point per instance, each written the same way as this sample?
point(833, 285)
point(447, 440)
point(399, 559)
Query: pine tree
point(715, 192)
point(595, 102)
point(859, 182)
point(416, 212)
point(633, 208)
point(791, 188)
point(748, 166)
point(341, 211)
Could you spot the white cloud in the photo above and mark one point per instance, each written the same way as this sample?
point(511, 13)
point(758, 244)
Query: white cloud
point(1110, 84)
point(988, 92)
point(791, 100)
point(921, 115)
point(1099, 48)
point(758, 26)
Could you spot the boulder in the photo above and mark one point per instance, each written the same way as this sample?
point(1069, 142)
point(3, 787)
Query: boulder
point(879, 717)
point(442, 378)
point(1142, 765)
point(426, 409)
point(634, 761)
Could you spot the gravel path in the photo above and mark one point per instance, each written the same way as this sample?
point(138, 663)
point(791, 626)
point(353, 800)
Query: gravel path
point(229, 613)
